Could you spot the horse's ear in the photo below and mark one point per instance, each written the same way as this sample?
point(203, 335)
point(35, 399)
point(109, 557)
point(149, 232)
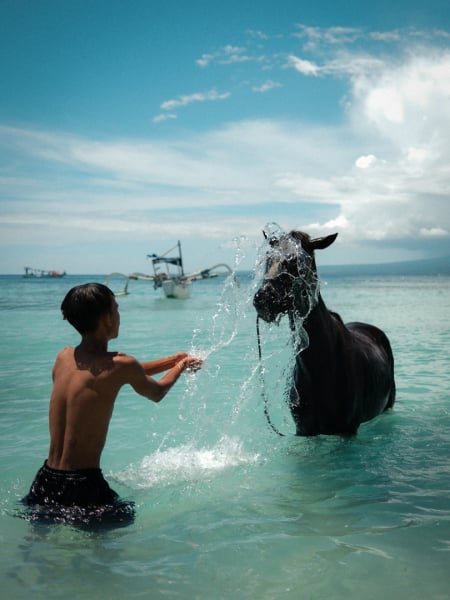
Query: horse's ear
point(323, 242)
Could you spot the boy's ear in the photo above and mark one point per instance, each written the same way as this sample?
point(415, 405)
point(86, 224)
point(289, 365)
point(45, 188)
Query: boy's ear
point(105, 320)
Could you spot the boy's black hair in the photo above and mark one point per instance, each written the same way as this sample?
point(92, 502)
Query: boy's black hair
point(85, 304)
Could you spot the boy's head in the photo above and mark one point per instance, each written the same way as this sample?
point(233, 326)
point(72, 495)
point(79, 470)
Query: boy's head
point(84, 305)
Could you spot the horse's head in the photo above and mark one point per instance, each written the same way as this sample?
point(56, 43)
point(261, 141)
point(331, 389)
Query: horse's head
point(290, 283)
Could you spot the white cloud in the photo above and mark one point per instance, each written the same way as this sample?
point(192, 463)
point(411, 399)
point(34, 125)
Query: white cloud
point(184, 100)
point(305, 67)
point(331, 37)
point(401, 112)
point(229, 54)
point(164, 117)
point(266, 86)
point(234, 54)
point(259, 35)
point(205, 60)
point(328, 35)
point(338, 224)
point(385, 103)
point(364, 162)
point(386, 36)
point(406, 101)
point(434, 232)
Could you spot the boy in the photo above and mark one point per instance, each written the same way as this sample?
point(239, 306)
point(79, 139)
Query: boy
point(86, 380)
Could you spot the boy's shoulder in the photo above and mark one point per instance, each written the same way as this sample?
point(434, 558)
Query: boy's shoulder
point(66, 352)
point(122, 358)
point(127, 366)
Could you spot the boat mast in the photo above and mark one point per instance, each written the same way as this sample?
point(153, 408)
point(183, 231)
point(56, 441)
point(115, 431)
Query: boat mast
point(181, 259)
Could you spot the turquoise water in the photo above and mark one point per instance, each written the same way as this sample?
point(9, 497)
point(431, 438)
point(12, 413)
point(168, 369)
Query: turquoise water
point(225, 508)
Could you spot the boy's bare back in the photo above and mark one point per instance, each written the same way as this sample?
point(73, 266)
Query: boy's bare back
point(85, 387)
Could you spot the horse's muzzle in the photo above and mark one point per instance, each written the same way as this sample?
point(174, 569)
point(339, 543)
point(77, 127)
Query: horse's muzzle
point(267, 303)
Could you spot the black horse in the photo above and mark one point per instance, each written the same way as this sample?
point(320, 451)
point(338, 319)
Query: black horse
point(345, 375)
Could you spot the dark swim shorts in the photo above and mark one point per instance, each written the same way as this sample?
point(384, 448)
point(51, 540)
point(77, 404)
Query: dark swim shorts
point(81, 496)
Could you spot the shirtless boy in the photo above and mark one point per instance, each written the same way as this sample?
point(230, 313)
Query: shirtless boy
point(86, 381)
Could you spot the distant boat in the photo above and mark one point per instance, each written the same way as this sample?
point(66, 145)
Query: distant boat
point(38, 273)
point(174, 285)
point(174, 282)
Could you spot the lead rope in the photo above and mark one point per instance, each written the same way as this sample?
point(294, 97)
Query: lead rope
point(261, 374)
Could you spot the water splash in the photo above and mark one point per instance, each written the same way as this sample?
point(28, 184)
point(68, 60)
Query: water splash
point(275, 372)
point(186, 463)
point(224, 323)
point(221, 338)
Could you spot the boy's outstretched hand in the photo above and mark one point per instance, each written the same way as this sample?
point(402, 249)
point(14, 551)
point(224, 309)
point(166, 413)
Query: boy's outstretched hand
point(192, 364)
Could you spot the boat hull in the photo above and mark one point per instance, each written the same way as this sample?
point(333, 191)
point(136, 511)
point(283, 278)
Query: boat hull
point(176, 289)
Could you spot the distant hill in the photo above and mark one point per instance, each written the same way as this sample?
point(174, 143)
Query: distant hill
point(427, 266)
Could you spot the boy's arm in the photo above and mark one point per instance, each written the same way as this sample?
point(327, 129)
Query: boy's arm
point(153, 367)
point(156, 389)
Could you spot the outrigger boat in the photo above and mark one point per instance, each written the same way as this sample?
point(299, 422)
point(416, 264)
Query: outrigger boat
point(175, 284)
point(31, 273)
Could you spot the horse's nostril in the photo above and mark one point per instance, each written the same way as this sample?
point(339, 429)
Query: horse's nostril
point(262, 293)
point(261, 304)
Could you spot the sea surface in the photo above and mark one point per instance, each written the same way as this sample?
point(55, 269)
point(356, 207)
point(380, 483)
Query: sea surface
point(227, 509)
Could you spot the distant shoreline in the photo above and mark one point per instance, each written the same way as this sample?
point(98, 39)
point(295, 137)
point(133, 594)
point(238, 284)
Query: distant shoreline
point(426, 266)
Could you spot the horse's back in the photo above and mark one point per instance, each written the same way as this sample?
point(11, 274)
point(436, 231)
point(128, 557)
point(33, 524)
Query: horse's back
point(373, 356)
point(371, 337)
point(367, 329)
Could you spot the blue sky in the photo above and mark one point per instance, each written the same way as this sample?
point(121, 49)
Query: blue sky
point(127, 125)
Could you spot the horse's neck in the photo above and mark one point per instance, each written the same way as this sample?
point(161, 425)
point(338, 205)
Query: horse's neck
point(322, 329)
